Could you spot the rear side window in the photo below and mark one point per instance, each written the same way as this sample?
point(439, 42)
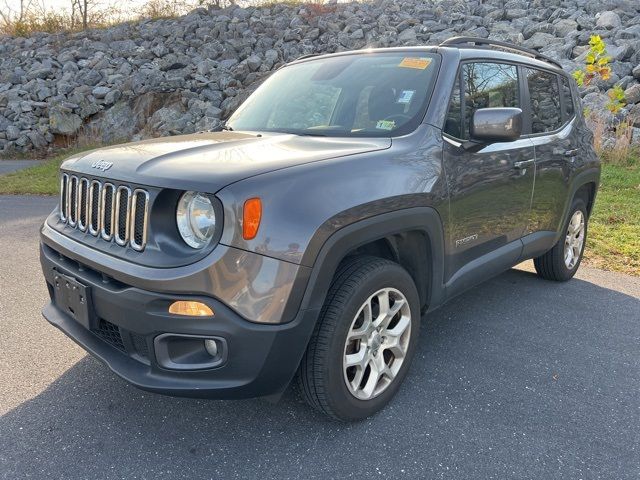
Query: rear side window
point(484, 85)
point(546, 115)
point(568, 108)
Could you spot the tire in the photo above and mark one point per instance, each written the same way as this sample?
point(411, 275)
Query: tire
point(349, 393)
point(554, 265)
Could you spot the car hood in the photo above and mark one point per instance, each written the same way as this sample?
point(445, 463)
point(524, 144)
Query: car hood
point(209, 161)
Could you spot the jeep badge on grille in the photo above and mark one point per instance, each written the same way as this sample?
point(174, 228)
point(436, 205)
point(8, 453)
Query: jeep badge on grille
point(102, 165)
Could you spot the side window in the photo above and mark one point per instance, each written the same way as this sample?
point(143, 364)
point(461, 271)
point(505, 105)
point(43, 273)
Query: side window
point(486, 85)
point(545, 101)
point(569, 109)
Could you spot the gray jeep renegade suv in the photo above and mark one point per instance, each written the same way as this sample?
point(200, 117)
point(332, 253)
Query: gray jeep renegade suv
point(349, 195)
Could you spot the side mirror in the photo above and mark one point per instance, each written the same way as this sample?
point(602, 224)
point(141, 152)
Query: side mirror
point(496, 124)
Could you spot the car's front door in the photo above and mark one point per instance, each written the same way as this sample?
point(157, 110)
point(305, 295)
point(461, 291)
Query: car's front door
point(490, 190)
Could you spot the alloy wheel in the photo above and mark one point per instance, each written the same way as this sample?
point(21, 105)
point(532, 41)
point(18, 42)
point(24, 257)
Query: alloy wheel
point(574, 239)
point(377, 343)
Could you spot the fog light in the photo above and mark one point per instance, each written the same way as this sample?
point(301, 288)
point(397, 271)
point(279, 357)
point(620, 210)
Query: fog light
point(191, 309)
point(211, 347)
point(179, 351)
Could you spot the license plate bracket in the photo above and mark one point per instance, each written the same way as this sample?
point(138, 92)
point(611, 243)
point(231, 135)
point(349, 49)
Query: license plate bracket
point(73, 298)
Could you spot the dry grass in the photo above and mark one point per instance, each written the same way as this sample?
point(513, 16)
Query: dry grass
point(39, 18)
point(621, 151)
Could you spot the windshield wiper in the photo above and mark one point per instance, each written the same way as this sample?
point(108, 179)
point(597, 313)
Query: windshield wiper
point(221, 127)
point(311, 134)
point(301, 133)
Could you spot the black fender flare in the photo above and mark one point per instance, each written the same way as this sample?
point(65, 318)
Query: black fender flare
point(311, 285)
point(590, 175)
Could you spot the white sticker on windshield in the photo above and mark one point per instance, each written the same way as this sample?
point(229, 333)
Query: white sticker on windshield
point(386, 124)
point(406, 96)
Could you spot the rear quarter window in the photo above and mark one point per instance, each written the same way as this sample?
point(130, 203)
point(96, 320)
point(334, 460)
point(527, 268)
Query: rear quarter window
point(546, 115)
point(567, 97)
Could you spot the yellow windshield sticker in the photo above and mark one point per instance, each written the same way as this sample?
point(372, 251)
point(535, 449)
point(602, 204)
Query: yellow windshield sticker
point(412, 62)
point(386, 124)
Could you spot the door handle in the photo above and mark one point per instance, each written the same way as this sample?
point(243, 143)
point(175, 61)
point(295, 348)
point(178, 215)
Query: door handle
point(523, 163)
point(571, 153)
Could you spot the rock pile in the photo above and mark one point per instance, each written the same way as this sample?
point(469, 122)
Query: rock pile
point(163, 77)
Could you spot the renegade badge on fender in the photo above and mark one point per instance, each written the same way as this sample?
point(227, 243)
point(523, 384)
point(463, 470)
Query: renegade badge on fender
point(348, 196)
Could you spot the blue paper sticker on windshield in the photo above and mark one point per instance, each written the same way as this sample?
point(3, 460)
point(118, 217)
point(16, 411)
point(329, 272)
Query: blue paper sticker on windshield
point(406, 96)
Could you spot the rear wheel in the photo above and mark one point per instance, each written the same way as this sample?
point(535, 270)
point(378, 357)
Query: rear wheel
point(364, 340)
point(562, 261)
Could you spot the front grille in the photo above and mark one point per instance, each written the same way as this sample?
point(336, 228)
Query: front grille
point(130, 343)
point(110, 333)
point(113, 212)
point(140, 344)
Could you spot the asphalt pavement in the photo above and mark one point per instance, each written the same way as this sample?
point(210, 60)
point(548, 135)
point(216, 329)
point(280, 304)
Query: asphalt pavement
point(8, 166)
point(517, 378)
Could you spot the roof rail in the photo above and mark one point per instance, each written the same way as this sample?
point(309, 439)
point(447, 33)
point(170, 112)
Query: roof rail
point(307, 55)
point(460, 42)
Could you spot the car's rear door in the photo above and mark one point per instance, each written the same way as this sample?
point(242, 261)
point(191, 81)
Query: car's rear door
point(490, 189)
point(551, 123)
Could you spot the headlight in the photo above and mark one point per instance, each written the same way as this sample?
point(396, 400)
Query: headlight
point(196, 219)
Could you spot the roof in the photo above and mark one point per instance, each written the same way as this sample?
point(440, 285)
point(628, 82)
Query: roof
point(485, 43)
point(468, 48)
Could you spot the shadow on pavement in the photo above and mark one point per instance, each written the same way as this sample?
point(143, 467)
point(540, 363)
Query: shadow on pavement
point(517, 378)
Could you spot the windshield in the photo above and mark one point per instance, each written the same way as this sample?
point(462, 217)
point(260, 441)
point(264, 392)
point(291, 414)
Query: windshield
point(376, 95)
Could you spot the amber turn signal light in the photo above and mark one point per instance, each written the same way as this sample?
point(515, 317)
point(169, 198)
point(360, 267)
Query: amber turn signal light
point(252, 213)
point(191, 309)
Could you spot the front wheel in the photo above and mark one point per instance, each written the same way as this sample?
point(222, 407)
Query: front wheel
point(562, 261)
point(364, 340)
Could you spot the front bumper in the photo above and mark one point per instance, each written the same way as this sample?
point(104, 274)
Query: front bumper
point(260, 359)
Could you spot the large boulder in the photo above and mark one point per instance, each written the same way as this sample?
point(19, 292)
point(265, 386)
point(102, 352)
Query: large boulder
point(118, 123)
point(64, 122)
point(608, 20)
point(632, 94)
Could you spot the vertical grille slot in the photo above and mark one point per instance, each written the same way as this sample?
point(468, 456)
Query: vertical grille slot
point(139, 214)
point(72, 200)
point(83, 204)
point(108, 197)
point(64, 180)
point(94, 207)
point(122, 211)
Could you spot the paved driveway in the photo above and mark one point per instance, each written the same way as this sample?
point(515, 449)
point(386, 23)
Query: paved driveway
point(518, 378)
point(8, 166)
